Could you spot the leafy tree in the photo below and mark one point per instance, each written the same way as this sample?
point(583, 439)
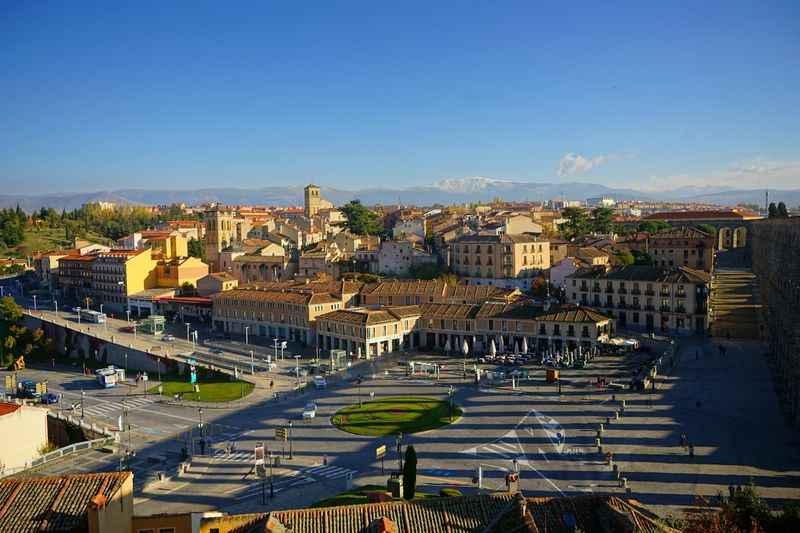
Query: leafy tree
point(196, 248)
point(410, 473)
point(641, 258)
point(360, 220)
point(577, 222)
point(625, 258)
point(602, 220)
point(773, 210)
point(187, 289)
point(426, 271)
point(707, 228)
point(653, 226)
point(782, 213)
point(9, 310)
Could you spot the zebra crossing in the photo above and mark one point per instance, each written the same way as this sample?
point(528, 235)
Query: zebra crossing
point(298, 478)
point(242, 456)
point(114, 409)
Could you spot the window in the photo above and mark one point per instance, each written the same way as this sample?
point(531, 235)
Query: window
point(166, 530)
point(145, 531)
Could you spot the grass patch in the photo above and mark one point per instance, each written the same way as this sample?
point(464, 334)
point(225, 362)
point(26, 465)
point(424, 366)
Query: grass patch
point(212, 389)
point(360, 495)
point(387, 416)
point(45, 239)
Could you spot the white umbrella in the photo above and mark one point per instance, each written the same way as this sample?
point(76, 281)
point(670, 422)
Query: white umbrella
point(447, 345)
point(358, 351)
point(492, 348)
point(516, 347)
point(465, 347)
point(525, 345)
point(502, 345)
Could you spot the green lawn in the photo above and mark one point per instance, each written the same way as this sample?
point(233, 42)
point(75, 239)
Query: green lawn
point(360, 495)
point(219, 389)
point(387, 416)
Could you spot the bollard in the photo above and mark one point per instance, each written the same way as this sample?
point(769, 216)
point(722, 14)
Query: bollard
point(597, 442)
point(623, 482)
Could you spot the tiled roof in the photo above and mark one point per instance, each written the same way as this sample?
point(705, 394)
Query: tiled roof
point(368, 317)
point(514, 311)
point(7, 408)
point(259, 295)
point(591, 514)
point(654, 274)
point(56, 503)
point(464, 514)
point(683, 232)
point(436, 288)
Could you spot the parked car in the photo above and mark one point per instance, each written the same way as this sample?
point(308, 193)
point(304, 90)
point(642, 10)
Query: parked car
point(168, 338)
point(51, 398)
point(310, 411)
point(320, 382)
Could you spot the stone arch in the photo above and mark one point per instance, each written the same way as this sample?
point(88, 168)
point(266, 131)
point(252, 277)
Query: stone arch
point(725, 237)
point(739, 237)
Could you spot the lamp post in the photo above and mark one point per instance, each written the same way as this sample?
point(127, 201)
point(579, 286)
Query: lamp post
point(128, 312)
point(55, 303)
point(202, 432)
point(101, 309)
point(400, 450)
point(187, 333)
point(450, 392)
point(126, 365)
point(271, 486)
point(297, 369)
point(34, 302)
point(246, 336)
point(252, 363)
point(83, 396)
point(290, 439)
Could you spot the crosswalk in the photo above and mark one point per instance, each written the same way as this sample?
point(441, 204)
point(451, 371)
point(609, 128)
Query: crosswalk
point(243, 456)
point(298, 478)
point(114, 409)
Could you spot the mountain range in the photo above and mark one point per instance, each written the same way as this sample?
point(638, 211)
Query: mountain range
point(446, 191)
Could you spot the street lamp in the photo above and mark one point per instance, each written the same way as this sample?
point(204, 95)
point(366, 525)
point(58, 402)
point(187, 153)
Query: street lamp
point(290, 439)
point(126, 365)
point(55, 303)
point(297, 368)
point(34, 302)
point(202, 433)
point(83, 396)
point(400, 450)
point(252, 363)
point(450, 392)
point(187, 333)
point(246, 331)
point(101, 309)
point(128, 312)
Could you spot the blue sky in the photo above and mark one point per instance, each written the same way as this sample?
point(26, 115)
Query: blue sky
point(96, 96)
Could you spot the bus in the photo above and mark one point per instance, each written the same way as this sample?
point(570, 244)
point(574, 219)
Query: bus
point(93, 316)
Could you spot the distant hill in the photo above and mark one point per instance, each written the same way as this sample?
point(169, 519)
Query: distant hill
point(446, 191)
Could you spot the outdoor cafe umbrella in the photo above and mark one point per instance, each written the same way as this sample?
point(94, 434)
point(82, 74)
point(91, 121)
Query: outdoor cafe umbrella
point(502, 345)
point(524, 345)
point(447, 345)
point(465, 347)
point(492, 348)
point(358, 351)
point(516, 347)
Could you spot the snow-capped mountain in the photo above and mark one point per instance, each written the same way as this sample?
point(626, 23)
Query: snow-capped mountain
point(470, 184)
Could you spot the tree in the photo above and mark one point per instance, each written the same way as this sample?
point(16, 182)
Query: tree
point(707, 228)
point(410, 473)
point(188, 289)
point(196, 248)
point(773, 210)
point(576, 224)
point(602, 220)
point(625, 258)
point(641, 258)
point(782, 213)
point(653, 226)
point(360, 220)
point(9, 310)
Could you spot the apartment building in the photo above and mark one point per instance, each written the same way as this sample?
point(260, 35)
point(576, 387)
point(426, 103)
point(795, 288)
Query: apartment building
point(118, 274)
point(373, 332)
point(263, 268)
point(396, 292)
point(267, 313)
point(505, 260)
point(684, 246)
point(367, 332)
point(216, 282)
point(646, 297)
point(398, 257)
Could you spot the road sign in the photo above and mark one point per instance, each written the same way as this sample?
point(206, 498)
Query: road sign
point(280, 434)
point(380, 451)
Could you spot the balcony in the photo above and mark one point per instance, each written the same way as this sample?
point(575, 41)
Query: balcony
point(648, 292)
point(622, 305)
point(664, 309)
point(610, 289)
point(636, 292)
point(596, 288)
point(622, 290)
